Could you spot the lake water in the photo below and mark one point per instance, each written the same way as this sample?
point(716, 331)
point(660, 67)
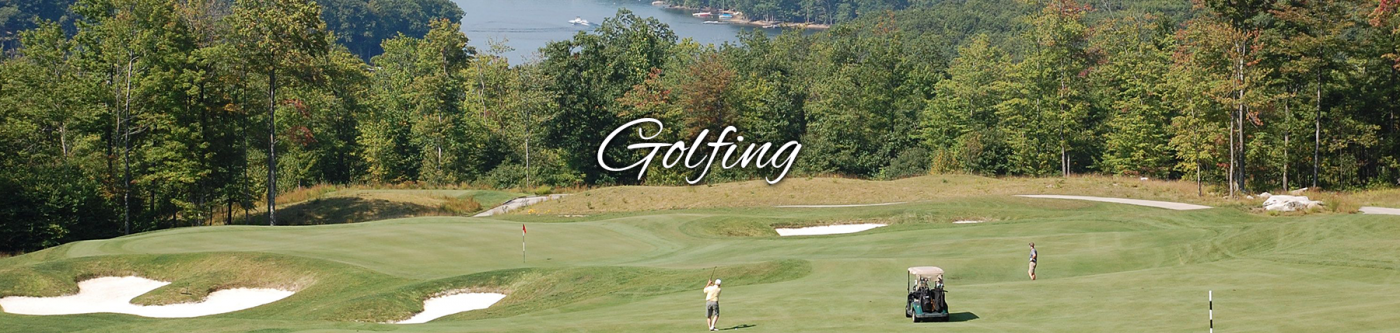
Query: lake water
point(527, 25)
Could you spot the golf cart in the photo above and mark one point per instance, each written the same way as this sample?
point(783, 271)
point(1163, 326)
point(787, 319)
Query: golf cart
point(925, 302)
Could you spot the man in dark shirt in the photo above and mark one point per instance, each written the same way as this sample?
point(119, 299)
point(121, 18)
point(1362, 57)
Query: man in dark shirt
point(1033, 257)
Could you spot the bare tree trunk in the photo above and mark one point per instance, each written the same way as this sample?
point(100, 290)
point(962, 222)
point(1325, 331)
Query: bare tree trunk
point(527, 147)
point(245, 187)
point(1317, 129)
point(126, 150)
point(1288, 115)
point(1199, 191)
point(1231, 178)
point(1064, 158)
point(63, 138)
point(1240, 110)
point(272, 147)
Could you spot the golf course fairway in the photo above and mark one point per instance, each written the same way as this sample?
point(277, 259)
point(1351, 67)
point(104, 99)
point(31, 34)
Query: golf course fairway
point(1103, 267)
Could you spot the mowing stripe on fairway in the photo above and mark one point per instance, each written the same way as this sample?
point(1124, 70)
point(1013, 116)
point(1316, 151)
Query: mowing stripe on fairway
point(842, 206)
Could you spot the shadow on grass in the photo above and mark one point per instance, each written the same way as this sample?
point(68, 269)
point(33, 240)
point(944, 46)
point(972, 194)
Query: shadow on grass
point(739, 327)
point(962, 316)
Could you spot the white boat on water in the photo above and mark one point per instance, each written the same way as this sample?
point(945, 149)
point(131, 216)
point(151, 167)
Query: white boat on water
point(711, 22)
point(658, 3)
point(578, 21)
point(706, 14)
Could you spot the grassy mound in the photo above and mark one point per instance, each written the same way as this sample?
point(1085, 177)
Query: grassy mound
point(192, 276)
point(318, 206)
point(761, 222)
point(531, 290)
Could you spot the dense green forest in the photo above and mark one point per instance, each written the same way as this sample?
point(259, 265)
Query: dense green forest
point(154, 114)
point(360, 25)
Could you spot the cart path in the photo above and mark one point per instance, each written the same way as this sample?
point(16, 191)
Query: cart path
point(517, 203)
point(1380, 210)
point(1149, 203)
point(842, 206)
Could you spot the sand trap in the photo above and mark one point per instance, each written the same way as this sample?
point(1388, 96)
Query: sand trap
point(827, 229)
point(1380, 210)
point(114, 294)
point(840, 206)
point(518, 203)
point(437, 307)
point(1149, 203)
point(968, 221)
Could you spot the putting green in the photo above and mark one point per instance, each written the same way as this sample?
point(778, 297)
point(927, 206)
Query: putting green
point(1103, 267)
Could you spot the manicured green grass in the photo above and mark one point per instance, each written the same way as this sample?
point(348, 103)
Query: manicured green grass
point(1104, 268)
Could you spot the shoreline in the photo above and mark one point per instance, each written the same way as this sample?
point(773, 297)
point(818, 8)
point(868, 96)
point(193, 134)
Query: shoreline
point(741, 19)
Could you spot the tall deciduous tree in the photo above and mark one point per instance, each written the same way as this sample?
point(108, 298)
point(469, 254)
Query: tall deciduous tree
point(1061, 62)
point(1308, 39)
point(279, 38)
point(960, 124)
point(1129, 83)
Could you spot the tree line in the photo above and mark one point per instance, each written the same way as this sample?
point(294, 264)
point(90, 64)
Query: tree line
point(155, 114)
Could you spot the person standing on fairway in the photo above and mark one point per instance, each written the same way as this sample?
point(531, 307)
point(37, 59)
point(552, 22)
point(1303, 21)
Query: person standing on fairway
point(1033, 257)
point(712, 303)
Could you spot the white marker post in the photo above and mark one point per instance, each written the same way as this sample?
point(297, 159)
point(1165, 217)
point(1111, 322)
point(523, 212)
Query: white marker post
point(1210, 298)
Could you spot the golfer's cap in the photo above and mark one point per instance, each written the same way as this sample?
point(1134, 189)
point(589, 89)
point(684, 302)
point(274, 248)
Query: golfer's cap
point(716, 281)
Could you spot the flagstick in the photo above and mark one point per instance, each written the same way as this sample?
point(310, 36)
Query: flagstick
point(522, 245)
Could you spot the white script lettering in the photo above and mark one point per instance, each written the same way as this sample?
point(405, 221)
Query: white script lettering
point(679, 154)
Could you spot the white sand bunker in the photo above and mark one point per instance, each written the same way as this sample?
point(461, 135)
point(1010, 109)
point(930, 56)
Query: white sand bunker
point(440, 306)
point(1149, 203)
point(114, 294)
point(968, 221)
point(827, 229)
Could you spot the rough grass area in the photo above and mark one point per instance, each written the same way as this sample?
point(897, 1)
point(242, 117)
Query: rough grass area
point(1383, 198)
point(838, 191)
point(830, 191)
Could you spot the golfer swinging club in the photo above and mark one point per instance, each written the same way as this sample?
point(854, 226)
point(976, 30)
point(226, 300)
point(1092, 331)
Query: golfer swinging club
point(712, 303)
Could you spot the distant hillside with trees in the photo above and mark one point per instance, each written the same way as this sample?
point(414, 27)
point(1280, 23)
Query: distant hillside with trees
point(956, 11)
point(360, 25)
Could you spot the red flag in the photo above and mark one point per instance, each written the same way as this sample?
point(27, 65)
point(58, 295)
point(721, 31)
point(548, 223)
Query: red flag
point(522, 229)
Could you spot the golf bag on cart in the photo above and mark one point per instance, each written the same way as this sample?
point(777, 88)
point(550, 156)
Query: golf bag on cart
point(927, 300)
